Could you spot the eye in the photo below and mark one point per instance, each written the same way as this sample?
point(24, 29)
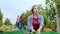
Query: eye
point(34, 8)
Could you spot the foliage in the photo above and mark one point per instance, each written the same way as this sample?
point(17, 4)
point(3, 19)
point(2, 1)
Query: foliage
point(50, 9)
point(7, 22)
point(26, 14)
point(8, 28)
point(1, 17)
point(1, 22)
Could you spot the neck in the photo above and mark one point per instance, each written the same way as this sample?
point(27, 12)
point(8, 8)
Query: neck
point(35, 14)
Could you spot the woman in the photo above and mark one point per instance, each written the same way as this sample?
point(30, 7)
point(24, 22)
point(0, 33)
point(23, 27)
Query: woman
point(35, 21)
point(21, 21)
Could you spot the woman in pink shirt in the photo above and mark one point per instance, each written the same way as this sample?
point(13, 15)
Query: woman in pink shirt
point(21, 21)
point(35, 21)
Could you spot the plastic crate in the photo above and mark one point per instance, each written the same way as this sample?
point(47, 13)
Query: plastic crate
point(22, 32)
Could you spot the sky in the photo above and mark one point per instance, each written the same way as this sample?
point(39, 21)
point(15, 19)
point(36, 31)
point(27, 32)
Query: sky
point(12, 8)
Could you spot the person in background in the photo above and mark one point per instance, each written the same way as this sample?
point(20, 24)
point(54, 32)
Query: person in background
point(21, 21)
point(17, 22)
point(35, 21)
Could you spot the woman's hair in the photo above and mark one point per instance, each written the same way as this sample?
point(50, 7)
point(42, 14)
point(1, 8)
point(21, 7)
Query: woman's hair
point(33, 8)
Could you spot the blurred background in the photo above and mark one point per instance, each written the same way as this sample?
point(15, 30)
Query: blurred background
point(9, 9)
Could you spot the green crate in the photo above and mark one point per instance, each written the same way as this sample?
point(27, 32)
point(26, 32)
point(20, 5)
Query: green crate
point(45, 33)
point(22, 32)
point(15, 32)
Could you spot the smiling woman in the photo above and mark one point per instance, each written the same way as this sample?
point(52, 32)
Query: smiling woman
point(35, 21)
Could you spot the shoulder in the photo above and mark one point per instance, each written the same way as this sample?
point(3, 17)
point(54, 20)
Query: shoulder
point(40, 16)
point(31, 16)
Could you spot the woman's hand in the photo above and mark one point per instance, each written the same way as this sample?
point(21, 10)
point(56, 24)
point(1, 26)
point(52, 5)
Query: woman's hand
point(39, 30)
point(33, 30)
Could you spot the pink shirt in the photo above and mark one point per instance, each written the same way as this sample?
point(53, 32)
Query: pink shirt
point(21, 17)
point(35, 23)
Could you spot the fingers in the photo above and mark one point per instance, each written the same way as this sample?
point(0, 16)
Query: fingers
point(33, 30)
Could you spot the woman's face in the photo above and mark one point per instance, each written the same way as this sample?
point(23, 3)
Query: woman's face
point(35, 10)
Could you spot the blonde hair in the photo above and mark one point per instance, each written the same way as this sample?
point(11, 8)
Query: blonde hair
point(33, 8)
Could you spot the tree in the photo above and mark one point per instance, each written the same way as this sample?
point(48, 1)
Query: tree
point(26, 14)
point(1, 22)
point(7, 22)
point(57, 8)
point(1, 17)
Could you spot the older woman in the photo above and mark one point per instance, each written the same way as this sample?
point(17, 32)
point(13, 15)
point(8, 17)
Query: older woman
point(35, 21)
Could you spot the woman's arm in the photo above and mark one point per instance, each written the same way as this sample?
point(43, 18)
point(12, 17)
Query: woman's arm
point(30, 27)
point(41, 23)
point(40, 28)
